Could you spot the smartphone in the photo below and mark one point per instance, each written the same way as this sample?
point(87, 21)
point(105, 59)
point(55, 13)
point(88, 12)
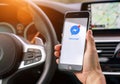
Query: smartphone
point(74, 41)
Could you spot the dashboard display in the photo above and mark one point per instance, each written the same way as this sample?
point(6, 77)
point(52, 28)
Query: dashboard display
point(105, 15)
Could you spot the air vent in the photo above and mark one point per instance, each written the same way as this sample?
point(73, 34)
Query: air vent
point(106, 49)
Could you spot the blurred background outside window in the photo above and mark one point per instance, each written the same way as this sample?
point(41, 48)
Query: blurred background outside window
point(72, 1)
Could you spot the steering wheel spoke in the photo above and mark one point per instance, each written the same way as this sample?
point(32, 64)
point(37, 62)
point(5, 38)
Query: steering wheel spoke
point(33, 55)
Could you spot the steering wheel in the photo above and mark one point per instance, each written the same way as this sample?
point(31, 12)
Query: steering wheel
point(16, 54)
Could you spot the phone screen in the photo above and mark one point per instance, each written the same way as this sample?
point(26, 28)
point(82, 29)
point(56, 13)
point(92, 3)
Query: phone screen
point(73, 42)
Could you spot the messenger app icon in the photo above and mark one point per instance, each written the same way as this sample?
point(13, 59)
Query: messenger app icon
point(75, 29)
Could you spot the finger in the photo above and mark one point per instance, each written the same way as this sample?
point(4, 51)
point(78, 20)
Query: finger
point(57, 54)
point(57, 61)
point(62, 34)
point(57, 47)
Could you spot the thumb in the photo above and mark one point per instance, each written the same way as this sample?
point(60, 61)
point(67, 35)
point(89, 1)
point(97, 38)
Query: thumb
point(91, 56)
point(90, 40)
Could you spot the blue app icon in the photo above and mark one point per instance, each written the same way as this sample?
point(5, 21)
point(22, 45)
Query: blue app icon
point(75, 29)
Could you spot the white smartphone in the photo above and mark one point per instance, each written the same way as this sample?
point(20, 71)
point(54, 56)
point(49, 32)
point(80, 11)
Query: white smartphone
point(74, 40)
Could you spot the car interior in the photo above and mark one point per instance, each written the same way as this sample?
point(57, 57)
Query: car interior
point(29, 30)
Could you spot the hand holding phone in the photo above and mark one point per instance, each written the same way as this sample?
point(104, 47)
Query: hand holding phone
point(73, 42)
